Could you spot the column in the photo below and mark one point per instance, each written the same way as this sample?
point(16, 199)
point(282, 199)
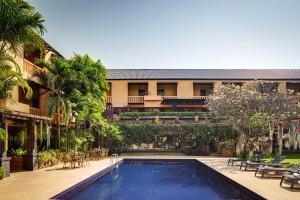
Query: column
point(30, 159)
point(217, 85)
point(4, 160)
point(48, 135)
point(152, 88)
point(282, 86)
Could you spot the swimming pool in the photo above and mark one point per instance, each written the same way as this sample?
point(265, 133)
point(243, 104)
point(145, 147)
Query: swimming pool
point(159, 180)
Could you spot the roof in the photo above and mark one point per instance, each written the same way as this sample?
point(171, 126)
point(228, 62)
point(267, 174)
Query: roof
point(203, 74)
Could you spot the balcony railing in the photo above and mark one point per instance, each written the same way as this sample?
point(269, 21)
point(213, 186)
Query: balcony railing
point(297, 98)
point(169, 97)
point(135, 99)
point(30, 67)
point(200, 97)
point(35, 111)
point(108, 99)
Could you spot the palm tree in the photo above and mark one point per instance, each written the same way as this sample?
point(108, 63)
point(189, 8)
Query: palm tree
point(57, 75)
point(20, 26)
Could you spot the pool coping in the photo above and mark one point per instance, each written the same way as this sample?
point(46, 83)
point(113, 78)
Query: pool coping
point(75, 189)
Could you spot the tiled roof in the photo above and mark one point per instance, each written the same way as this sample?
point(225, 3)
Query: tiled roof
point(204, 74)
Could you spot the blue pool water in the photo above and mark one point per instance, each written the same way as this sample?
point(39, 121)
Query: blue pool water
point(135, 180)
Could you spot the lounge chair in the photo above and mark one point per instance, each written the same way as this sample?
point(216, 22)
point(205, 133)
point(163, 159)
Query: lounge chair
point(253, 165)
point(256, 158)
point(292, 179)
point(276, 171)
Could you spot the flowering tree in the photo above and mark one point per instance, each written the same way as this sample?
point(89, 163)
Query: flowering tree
point(250, 107)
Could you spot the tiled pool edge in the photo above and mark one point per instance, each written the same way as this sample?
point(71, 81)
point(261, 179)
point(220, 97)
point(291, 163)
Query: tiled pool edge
point(234, 184)
point(75, 189)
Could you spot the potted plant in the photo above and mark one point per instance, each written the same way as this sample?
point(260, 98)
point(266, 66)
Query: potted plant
point(16, 162)
point(2, 172)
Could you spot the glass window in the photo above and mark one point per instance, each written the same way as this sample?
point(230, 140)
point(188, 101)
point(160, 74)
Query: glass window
point(142, 92)
point(160, 92)
point(202, 92)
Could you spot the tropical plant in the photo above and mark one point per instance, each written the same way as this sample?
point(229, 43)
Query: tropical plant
point(56, 76)
point(2, 172)
point(109, 135)
point(20, 26)
point(18, 152)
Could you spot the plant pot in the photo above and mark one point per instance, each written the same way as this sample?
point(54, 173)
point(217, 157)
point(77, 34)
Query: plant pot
point(16, 163)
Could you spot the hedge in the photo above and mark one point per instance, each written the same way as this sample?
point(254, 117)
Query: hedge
point(188, 134)
point(181, 114)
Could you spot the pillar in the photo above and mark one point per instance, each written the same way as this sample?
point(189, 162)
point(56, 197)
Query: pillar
point(4, 160)
point(30, 159)
point(48, 135)
point(152, 88)
point(217, 85)
point(282, 86)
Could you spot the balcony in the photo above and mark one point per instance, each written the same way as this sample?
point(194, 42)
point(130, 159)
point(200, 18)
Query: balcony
point(297, 98)
point(169, 97)
point(108, 99)
point(35, 111)
point(201, 97)
point(135, 99)
point(30, 67)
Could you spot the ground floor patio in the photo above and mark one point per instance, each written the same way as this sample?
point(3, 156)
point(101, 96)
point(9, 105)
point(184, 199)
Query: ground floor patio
point(45, 183)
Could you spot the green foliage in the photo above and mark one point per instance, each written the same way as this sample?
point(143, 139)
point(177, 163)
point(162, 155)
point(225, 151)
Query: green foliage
point(157, 113)
point(18, 152)
point(109, 136)
point(20, 25)
point(2, 172)
point(189, 134)
point(2, 134)
point(49, 158)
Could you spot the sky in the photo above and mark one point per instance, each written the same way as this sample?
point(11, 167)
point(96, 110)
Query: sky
point(176, 33)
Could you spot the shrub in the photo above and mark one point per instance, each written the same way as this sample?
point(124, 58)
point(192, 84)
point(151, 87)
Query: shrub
point(18, 152)
point(2, 172)
point(226, 148)
point(156, 113)
point(49, 158)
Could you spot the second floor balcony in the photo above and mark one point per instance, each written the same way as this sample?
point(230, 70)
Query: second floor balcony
point(30, 68)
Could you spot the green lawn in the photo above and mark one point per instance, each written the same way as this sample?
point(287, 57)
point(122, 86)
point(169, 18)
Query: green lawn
point(290, 159)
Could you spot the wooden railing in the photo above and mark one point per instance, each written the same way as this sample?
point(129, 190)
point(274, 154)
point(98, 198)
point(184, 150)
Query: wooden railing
point(297, 98)
point(169, 97)
point(135, 99)
point(108, 99)
point(30, 67)
point(35, 111)
point(200, 97)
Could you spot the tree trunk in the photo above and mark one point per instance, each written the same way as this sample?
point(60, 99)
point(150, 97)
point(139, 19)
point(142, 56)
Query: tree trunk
point(271, 133)
point(240, 147)
point(280, 135)
point(58, 125)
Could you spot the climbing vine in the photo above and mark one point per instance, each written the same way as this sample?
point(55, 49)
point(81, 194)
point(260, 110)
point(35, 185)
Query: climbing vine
point(189, 134)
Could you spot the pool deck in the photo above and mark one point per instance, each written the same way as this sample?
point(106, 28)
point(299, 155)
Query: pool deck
point(45, 183)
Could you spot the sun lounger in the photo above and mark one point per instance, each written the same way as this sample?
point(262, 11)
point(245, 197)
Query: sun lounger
point(253, 165)
point(292, 179)
point(256, 158)
point(275, 171)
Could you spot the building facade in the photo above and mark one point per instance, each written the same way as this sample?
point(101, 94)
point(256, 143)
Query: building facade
point(183, 89)
point(19, 114)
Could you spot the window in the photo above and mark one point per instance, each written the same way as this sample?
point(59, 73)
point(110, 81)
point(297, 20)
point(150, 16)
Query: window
point(160, 92)
point(34, 101)
point(202, 92)
point(142, 92)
